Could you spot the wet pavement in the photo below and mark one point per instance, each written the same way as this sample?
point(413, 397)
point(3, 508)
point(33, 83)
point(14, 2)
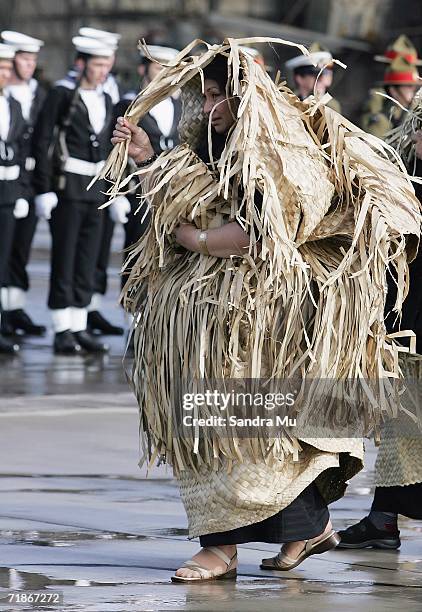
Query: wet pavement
point(78, 516)
point(36, 371)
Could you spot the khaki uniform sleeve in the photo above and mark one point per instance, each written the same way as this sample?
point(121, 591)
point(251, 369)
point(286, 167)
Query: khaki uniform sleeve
point(377, 124)
point(375, 118)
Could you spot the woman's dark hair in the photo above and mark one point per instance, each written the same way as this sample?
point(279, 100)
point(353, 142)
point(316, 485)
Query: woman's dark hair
point(217, 71)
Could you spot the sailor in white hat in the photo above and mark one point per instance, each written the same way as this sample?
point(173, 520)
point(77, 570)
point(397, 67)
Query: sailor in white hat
point(31, 95)
point(117, 212)
point(313, 72)
point(111, 85)
point(22, 85)
point(161, 124)
point(111, 38)
point(13, 189)
point(75, 123)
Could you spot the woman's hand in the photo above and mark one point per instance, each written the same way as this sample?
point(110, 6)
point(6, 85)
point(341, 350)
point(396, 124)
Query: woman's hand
point(140, 147)
point(186, 234)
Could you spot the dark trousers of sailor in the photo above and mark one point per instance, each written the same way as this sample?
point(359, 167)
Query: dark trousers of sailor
point(21, 250)
point(7, 226)
point(100, 281)
point(405, 500)
point(76, 229)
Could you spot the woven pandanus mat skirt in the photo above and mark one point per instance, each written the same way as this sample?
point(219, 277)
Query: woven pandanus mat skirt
point(305, 518)
point(221, 500)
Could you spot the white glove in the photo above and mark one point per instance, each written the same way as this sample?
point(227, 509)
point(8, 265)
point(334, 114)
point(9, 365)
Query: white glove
point(119, 209)
point(44, 204)
point(21, 209)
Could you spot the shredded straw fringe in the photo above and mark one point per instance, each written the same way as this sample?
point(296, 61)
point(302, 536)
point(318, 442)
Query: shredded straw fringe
point(309, 301)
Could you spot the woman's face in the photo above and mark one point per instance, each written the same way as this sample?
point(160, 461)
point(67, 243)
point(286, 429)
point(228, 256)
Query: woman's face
point(216, 105)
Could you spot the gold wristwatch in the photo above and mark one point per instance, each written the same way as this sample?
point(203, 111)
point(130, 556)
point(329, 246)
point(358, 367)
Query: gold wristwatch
point(202, 240)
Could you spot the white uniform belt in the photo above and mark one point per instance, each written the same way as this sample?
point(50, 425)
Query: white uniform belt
point(9, 173)
point(29, 164)
point(80, 166)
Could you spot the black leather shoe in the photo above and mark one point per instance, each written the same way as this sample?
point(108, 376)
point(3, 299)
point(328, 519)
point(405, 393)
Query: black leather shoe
point(13, 321)
point(97, 324)
point(65, 343)
point(364, 534)
point(6, 347)
point(90, 344)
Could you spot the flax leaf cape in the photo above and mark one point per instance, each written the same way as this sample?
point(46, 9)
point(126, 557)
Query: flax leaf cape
point(308, 297)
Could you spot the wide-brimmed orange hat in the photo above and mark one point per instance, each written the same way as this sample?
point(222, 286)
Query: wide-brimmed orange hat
point(401, 72)
point(401, 47)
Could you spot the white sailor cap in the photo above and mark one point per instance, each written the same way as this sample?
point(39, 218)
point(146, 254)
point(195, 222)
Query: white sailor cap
point(318, 59)
point(6, 52)
point(250, 51)
point(91, 46)
point(255, 54)
point(21, 42)
point(110, 38)
point(159, 53)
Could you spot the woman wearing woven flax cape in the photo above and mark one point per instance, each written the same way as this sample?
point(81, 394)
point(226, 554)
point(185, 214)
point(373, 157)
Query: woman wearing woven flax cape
point(265, 258)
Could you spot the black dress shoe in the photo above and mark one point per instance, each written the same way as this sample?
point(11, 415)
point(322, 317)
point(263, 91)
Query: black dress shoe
point(65, 343)
point(6, 347)
point(97, 324)
point(364, 534)
point(90, 344)
point(13, 321)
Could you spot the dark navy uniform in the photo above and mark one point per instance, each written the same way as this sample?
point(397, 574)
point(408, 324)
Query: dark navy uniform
point(13, 185)
point(13, 182)
point(25, 228)
point(149, 123)
point(76, 224)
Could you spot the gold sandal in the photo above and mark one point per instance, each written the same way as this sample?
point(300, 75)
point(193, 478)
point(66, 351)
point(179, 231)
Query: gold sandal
point(282, 562)
point(205, 574)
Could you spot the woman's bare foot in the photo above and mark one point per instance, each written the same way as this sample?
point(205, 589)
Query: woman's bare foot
point(207, 559)
point(293, 549)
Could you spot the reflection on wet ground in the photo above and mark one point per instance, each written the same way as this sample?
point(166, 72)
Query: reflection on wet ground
point(37, 371)
point(49, 538)
point(124, 536)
